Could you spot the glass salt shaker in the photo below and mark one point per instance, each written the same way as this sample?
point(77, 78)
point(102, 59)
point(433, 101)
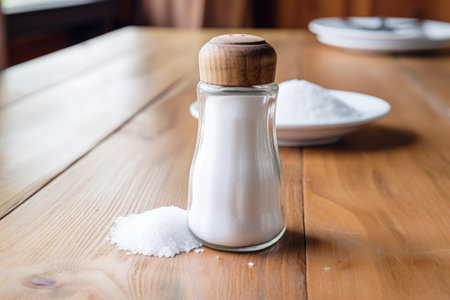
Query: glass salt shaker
point(236, 188)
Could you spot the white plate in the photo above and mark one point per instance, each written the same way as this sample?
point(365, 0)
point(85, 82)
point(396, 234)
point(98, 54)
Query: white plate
point(365, 34)
point(371, 108)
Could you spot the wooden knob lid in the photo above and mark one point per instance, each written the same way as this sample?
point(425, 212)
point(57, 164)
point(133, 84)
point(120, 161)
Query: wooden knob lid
point(237, 60)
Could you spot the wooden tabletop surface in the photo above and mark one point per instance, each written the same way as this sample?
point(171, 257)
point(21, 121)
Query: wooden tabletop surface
point(103, 129)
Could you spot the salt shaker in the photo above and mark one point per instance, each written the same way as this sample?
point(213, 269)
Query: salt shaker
point(236, 188)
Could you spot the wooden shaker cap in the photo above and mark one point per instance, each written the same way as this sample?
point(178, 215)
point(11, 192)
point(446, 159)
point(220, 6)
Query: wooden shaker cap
point(237, 60)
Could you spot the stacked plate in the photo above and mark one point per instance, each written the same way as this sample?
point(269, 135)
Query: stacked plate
point(376, 34)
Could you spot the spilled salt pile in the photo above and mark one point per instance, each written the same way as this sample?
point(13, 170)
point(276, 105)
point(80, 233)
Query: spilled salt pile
point(301, 102)
point(158, 232)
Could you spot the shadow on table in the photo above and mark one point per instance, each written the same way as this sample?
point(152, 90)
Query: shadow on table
point(292, 241)
point(376, 137)
point(425, 53)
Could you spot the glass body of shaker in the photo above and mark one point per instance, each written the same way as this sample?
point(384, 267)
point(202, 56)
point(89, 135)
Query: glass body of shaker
point(236, 187)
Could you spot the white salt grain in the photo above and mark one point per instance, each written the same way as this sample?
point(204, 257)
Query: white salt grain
point(199, 250)
point(158, 232)
point(250, 264)
point(301, 102)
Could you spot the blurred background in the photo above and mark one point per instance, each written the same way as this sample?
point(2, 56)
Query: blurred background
point(31, 28)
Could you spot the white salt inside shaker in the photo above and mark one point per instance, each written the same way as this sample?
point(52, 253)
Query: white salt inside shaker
point(236, 190)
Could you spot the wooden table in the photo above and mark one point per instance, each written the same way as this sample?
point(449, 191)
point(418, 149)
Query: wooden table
point(102, 129)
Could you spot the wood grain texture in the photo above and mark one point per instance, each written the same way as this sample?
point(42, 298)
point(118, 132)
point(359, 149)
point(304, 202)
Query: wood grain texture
point(23, 80)
point(377, 203)
point(431, 73)
point(43, 134)
point(145, 165)
point(237, 60)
